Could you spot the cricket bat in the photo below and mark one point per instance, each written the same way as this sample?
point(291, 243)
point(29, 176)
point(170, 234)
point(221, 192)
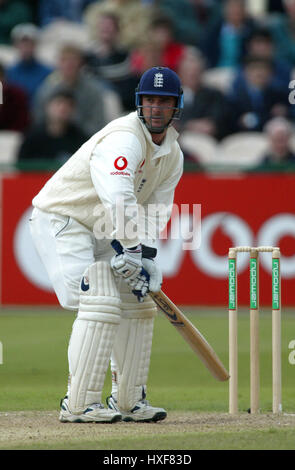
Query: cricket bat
point(191, 335)
point(188, 331)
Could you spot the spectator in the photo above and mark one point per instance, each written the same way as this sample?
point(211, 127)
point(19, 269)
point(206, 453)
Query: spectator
point(279, 132)
point(160, 38)
point(71, 10)
point(261, 44)
point(108, 61)
point(133, 19)
point(145, 57)
point(57, 138)
point(28, 72)
point(12, 12)
point(96, 105)
point(14, 111)
point(229, 36)
point(255, 100)
point(193, 19)
point(283, 32)
point(205, 109)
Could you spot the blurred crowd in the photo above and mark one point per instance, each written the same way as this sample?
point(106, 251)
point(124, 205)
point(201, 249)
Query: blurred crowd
point(68, 67)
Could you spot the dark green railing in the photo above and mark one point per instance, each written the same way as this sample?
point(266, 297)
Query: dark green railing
point(189, 167)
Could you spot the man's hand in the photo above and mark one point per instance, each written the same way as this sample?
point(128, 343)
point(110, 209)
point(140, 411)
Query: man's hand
point(156, 279)
point(138, 269)
point(128, 264)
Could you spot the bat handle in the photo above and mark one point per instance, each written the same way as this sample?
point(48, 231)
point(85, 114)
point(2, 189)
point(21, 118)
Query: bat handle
point(119, 249)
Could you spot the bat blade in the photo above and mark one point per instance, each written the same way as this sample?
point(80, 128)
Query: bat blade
point(192, 336)
point(187, 330)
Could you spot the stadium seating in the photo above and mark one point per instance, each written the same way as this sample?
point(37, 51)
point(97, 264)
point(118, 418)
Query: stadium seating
point(219, 77)
point(203, 148)
point(58, 33)
point(257, 9)
point(292, 142)
point(8, 55)
point(243, 149)
point(10, 142)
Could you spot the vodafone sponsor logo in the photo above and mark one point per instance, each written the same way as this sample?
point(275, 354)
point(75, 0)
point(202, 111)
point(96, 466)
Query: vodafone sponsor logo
point(273, 231)
point(120, 164)
point(172, 253)
point(125, 173)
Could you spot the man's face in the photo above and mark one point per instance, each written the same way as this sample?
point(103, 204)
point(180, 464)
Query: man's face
point(234, 11)
point(158, 110)
point(258, 75)
point(290, 8)
point(161, 35)
point(107, 30)
point(60, 109)
point(70, 65)
point(280, 140)
point(261, 47)
point(190, 72)
point(26, 48)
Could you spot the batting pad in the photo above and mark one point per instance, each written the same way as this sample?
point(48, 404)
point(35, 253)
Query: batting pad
point(93, 335)
point(132, 350)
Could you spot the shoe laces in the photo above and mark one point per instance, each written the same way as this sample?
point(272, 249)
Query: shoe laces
point(145, 402)
point(111, 398)
point(96, 405)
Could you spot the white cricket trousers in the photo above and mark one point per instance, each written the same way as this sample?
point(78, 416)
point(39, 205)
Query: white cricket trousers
point(66, 249)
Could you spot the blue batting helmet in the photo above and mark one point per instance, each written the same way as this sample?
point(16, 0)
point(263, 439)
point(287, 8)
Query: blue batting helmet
point(160, 81)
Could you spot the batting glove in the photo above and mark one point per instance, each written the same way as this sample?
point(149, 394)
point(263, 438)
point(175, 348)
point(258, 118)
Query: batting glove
point(138, 269)
point(156, 278)
point(128, 264)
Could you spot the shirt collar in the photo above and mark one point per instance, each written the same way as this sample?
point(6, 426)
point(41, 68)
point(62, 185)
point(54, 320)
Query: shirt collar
point(165, 147)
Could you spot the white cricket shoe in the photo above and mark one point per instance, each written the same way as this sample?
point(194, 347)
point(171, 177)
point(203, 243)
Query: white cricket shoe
point(142, 411)
point(95, 413)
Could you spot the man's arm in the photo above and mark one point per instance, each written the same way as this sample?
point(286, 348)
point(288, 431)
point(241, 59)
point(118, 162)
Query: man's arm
point(112, 166)
point(158, 208)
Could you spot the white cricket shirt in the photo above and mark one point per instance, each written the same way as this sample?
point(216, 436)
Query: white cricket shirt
point(118, 163)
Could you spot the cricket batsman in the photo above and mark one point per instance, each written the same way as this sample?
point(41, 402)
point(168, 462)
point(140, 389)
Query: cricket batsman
point(135, 159)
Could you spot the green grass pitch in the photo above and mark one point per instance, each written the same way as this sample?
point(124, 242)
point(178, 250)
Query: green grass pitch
point(33, 378)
